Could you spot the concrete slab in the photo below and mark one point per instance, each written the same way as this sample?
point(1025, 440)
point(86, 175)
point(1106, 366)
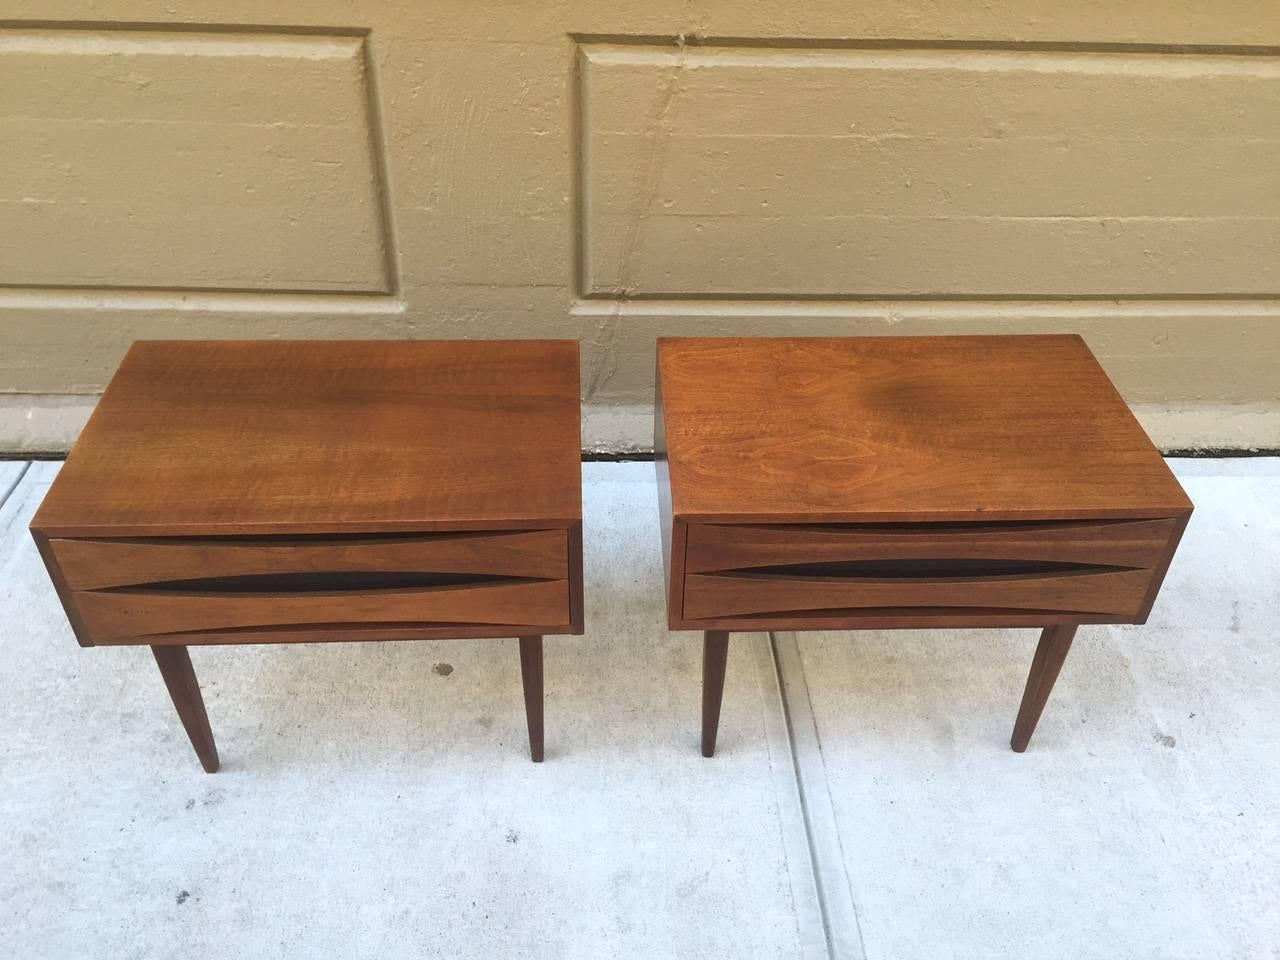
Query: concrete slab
point(10, 473)
point(1144, 821)
point(376, 799)
point(375, 802)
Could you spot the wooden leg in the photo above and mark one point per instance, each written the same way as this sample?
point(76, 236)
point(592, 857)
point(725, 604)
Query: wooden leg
point(715, 652)
point(531, 675)
point(175, 667)
point(1055, 643)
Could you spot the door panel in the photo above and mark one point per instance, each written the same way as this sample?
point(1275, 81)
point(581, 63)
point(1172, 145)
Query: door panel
point(193, 160)
point(835, 171)
point(614, 171)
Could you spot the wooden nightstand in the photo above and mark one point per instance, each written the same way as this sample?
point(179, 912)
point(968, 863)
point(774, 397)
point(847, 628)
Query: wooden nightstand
point(884, 482)
point(306, 491)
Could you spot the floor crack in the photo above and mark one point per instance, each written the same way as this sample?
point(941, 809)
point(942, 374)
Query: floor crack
point(4, 495)
point(841, 927)
point(651, 183)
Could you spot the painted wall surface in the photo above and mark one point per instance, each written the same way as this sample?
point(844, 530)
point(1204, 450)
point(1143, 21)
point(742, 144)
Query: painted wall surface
point(613, 172)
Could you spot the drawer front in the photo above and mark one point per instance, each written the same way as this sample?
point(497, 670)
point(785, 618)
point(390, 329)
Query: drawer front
point(1101, 569)
point(216, 589)
point(141, 614)
point(94, 564)
point(1128, 543)
point(1106, 594)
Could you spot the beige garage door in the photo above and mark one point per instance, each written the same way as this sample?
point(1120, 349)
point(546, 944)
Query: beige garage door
point(615, 171)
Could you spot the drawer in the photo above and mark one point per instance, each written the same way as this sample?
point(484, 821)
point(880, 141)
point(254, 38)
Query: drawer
point(1127, 543)
point(325, 587)
point(739, 595)
point(1090, 569)
point(96, 563)
point(121, 614)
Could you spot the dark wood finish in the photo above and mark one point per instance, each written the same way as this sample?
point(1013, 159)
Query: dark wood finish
point(305, 491)
point(184, 690)
point(531, 679)
point(92, 564)
point(857, 429)
point(341, 632)
point(715, 655)
point(116, 616)
point(1126, 543)
point(198, 438)
point(577, 613)
point(674, 531)
point(894, 618)
point(1051, 653)
point(905, 482)
point(1162, 567)
point(62, 588)
point(1108, 593)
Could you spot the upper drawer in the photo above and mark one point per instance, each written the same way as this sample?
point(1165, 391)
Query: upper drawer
point(99, 563)
point(1125, 543)
point(1100, 569)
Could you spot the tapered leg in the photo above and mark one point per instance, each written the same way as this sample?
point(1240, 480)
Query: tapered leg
point(715, 652)
point(531, 675)
point(175, 667)
point(1055, 643)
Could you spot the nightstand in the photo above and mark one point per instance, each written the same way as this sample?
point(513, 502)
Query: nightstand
point(905, 482)
point(308, 491)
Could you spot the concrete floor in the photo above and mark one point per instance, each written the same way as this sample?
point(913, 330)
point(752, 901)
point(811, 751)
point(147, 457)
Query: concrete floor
point(375, 799)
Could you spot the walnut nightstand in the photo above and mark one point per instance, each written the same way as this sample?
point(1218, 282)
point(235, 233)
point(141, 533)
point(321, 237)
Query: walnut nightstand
point(885, 482)
point(305, 491)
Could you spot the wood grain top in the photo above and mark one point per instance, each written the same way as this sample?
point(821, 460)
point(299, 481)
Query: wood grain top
point(903, 428)
point(291, 437)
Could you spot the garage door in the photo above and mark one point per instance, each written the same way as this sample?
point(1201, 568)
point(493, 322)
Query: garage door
point(614, 172)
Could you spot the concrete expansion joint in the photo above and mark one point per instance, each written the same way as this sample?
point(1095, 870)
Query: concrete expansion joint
point(829, 924)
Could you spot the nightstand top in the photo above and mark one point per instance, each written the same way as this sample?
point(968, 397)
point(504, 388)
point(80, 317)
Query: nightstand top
point(890, 429)
point(289, 437)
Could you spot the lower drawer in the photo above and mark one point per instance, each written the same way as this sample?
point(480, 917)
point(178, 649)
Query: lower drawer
point(1114, 594)
point(139, 614)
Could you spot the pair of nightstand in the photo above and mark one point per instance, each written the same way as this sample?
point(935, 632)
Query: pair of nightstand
point(274, 492)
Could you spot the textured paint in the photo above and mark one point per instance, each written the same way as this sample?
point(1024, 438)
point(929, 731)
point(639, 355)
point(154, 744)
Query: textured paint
point(457, 170)
point(187, 161)
point(738, 171)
